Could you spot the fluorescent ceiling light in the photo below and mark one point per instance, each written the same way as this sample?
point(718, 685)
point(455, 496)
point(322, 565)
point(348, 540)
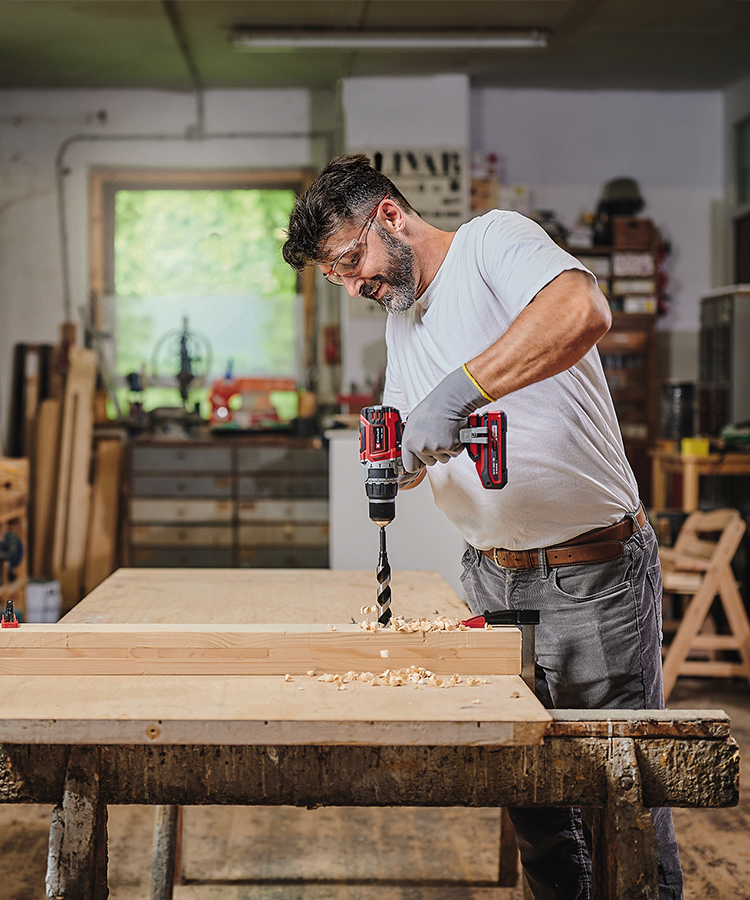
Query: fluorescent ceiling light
point(250, 39)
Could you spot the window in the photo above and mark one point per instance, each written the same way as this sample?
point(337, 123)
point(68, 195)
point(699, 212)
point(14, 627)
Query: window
point(190, 267)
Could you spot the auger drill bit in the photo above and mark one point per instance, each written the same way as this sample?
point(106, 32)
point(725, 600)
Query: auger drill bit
point(384, 582)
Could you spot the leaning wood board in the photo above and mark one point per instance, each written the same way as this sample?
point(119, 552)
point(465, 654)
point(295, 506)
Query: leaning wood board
point(266, 710)
point(318, 596)
point(83, 649)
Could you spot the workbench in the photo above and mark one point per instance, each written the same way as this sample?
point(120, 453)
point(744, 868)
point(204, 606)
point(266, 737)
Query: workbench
point(691, 468)
point(85, 741)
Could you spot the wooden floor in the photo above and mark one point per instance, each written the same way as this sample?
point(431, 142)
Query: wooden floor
point(364, 853)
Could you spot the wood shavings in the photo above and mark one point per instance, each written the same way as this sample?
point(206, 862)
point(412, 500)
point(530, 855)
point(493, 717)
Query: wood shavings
point(332, 628)
point(384, 654)
point(515, 695)
point(416, 676)
point(287, 678)
point(311, 672)
point(366, 610)
point(474, 681)
point(413, 626)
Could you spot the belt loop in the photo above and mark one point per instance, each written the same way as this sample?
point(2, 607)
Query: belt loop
point(543, 562)
point(637, 528)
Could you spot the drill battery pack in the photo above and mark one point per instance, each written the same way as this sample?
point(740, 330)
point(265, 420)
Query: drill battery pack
point(485, 440)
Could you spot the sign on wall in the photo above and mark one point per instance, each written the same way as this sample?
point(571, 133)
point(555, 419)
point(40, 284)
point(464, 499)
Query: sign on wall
point(434, 181)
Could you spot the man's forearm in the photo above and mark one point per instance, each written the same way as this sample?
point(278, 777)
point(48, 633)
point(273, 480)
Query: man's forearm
point(557, 329)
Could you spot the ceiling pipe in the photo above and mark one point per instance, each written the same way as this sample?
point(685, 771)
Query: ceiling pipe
point(178, 29)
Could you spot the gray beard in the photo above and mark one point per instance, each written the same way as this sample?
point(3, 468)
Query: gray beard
point(398, 275)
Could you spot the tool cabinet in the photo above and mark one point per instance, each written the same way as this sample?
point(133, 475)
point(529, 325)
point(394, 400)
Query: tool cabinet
point(260, 501)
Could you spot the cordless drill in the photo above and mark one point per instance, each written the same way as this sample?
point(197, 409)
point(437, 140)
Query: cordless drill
point(380, 432)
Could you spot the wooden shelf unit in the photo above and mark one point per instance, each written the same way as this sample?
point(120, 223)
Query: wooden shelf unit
point(260, 501)
point(632, 282)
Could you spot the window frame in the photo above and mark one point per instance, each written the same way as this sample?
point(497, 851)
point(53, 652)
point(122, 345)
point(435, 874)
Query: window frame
point(103, 184)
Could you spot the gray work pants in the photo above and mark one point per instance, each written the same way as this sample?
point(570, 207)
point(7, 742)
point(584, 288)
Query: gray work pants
point(598, 647)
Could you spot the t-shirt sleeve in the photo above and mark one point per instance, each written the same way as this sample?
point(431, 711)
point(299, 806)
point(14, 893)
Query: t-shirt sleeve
point(518, 258)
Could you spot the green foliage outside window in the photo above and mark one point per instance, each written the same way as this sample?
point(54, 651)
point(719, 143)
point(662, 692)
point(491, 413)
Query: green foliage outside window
point(215, 257)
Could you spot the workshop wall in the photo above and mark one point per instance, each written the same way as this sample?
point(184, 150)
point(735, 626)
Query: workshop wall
point(566, 144)
point(563, 144)
point(119, 128)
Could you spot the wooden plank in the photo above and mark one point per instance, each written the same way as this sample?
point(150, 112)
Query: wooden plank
point(101, 547)
point(639, 723)
point(85, 649)
point(46, 462)
point(556, 772)
point(69, 546)
point(318, 596)
point(236, 710)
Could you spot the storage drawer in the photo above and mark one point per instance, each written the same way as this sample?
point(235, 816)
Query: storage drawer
point(181, 535)
point(202, 558)
point(284, 558)
point(166, 511)
point(182, 459)
point(273, 535)
point(623, 341)
point(283, 511)
point(258, 460)
point(166, 486)
point(280, 486)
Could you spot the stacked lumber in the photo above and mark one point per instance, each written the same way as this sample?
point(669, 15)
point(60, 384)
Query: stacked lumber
point(14, 501)
point(74, 504)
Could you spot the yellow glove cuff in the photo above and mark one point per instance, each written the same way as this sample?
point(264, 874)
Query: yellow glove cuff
point(476, 384)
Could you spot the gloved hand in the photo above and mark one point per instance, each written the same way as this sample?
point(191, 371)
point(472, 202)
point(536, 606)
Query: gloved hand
point(431, 431)
point(409, 480)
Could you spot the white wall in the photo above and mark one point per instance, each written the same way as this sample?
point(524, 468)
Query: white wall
point(736, 108)
point(567, 144)
point(421, 537)
point(394, 113)
point(33, 128)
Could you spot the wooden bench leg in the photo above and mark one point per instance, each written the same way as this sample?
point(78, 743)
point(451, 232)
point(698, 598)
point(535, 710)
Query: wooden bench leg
point(624, 840)
point(77, 857)
point(167, 851)
point(508, 867)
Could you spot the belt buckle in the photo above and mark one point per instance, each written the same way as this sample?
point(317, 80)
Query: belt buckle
point(494, 557)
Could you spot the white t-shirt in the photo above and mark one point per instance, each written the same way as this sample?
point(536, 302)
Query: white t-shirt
point(567, 470)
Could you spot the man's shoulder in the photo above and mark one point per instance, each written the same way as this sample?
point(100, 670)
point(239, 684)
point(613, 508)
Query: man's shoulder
point(501, 222)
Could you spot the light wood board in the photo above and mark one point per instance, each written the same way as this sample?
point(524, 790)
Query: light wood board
point(82, 649)
point(265, 710)
point(101, 546)
point(236, 709)
point(316, 596)
point(73, 489)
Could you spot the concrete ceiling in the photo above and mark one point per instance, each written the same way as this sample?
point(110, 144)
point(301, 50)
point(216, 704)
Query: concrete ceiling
point(179, 44)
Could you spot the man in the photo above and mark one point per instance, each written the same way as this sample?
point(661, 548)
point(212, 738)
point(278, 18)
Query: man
point(498, 312)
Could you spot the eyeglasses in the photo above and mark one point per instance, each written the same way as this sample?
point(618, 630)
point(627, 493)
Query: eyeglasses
point(353, 264)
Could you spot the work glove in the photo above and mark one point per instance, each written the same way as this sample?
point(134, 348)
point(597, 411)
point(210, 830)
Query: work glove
point(431, 431)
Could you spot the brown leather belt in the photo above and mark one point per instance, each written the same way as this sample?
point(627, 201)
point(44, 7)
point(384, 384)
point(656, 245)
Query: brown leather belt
point(599, 545)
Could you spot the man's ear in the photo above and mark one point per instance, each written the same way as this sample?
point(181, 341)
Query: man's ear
point(391, 216)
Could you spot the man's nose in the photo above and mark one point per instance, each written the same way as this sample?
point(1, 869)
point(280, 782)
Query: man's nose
point(354, 286)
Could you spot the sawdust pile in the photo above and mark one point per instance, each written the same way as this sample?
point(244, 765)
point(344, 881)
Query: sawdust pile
point(413, 626)
point(416, 676)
